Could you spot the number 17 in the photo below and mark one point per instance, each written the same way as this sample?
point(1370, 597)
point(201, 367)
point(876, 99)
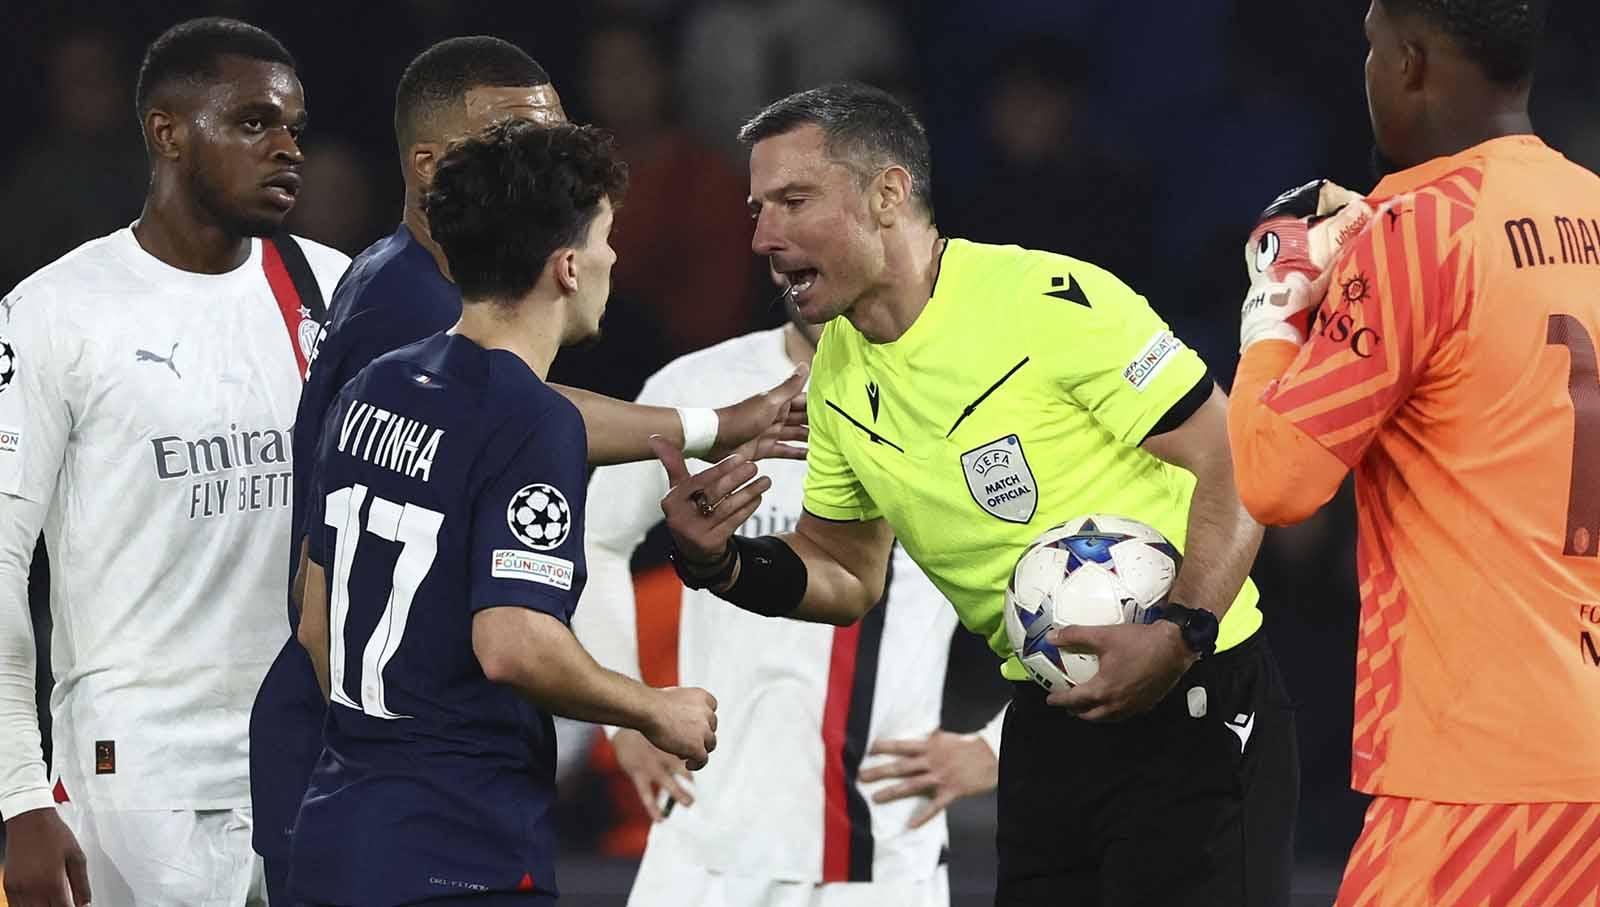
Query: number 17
point(417, 530)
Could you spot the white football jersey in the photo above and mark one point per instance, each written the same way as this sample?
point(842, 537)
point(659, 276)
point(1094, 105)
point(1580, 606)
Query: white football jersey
point(144, 422)
point(797, 702)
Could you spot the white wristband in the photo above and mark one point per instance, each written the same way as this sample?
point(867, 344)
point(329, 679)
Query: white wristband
point(699, 431)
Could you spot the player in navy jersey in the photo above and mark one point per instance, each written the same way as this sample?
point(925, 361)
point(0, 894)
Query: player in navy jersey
point(446, 554)
point(397, 292)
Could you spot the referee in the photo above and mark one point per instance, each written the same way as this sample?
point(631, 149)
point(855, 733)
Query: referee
point(964, 398)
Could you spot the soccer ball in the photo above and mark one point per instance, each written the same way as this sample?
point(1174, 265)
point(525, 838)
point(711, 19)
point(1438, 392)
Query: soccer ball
point(1093, 570)
point(539, 516)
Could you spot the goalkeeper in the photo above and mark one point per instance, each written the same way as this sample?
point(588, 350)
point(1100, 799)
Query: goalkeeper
point(969, 398)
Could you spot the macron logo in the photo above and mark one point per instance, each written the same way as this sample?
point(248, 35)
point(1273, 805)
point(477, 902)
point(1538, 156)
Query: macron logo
point(1242, 725)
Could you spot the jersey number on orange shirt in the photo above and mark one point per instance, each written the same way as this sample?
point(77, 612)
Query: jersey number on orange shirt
point(1583, 384)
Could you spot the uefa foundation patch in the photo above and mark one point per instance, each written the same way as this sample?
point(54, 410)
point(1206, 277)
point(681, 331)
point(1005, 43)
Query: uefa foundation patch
point(509, 563)
point(1151, 360)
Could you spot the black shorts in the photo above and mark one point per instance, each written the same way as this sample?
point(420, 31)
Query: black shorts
point(1161, 810)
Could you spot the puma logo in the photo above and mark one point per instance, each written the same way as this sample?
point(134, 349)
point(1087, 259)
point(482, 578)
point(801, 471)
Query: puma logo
point(147, 356)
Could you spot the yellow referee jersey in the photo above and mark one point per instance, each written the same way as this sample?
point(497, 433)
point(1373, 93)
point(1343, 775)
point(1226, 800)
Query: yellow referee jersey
point(1017, 400)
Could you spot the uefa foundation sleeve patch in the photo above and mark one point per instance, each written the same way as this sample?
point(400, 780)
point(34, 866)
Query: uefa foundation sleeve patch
point(1151, 360)
point(509, 563)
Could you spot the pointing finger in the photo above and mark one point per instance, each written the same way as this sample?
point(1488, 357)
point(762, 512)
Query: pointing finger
point(671, 458)
point(794, 384)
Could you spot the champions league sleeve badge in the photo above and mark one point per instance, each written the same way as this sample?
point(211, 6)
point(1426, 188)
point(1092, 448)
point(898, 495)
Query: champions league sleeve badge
point(539, 516)
point(8, 364)
point(1000, 480)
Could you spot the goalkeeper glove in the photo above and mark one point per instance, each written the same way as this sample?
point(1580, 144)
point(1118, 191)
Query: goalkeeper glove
point(1297, 237)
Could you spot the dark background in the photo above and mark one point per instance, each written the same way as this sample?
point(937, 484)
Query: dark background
point(1142, 136)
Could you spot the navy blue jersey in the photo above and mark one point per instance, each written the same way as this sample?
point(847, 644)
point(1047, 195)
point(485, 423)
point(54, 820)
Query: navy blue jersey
point(450, 479)
point(392, 295)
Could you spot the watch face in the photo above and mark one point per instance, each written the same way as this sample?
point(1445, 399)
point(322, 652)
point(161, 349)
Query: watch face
point(1201, 631)
point(1197, 626)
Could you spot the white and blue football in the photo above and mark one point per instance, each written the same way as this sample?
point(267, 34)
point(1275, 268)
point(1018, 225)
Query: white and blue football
point(1093, 570)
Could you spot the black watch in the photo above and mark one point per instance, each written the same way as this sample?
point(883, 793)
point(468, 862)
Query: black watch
point(1197, 626)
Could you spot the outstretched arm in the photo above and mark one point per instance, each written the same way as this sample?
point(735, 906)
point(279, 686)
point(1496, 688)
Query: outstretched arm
point(757, 427)
point(825, 571)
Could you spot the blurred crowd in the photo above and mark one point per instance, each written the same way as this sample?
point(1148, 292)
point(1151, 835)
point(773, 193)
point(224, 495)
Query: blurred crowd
point(1143, 137)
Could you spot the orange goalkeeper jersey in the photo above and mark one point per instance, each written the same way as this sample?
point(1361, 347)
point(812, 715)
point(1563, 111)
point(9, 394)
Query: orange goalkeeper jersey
point(1452, 367)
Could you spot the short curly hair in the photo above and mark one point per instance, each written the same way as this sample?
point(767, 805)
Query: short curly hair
point(1502, 36)
point(504, 200)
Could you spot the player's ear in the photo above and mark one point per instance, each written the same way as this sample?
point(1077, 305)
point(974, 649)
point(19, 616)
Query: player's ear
point(1413, 64)
point(563, 265)
point(164, 133)
point(893, 191)
point(423, 159)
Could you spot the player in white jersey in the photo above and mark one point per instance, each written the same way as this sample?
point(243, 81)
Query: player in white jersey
point(786, 815)
point(148, 382)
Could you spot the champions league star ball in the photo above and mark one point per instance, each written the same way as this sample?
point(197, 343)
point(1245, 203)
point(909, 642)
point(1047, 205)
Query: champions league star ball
point(539, 516)
point(8, 364)
point(1094, 570)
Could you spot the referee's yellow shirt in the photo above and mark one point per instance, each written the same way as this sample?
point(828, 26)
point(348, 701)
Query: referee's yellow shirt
point(1017, 400)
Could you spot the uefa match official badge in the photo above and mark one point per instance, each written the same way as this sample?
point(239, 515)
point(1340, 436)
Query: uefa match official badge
point(1000, 480)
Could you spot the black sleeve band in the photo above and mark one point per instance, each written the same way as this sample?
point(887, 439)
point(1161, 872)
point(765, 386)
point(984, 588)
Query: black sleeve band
point(1187, 405)
point(772, 578)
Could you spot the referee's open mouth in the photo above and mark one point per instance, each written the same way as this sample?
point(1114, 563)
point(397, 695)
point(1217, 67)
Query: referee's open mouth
point(800, 282)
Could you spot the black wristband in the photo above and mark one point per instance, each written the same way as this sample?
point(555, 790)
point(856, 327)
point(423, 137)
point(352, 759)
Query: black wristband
point(708, 575)
point(772, 577)
point(1197, 626)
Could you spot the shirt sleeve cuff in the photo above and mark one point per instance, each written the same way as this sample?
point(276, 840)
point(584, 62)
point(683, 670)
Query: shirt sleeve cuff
point(839, 514)
point(991, 732)
point(26, 800)
point(1187, 405)
point(1170, 390)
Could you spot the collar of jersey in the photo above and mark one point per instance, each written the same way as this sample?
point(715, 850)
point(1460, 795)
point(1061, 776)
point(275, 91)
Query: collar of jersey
point(945, 288)
point(169, 277)
point(411, 248)
point(1425, 173)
